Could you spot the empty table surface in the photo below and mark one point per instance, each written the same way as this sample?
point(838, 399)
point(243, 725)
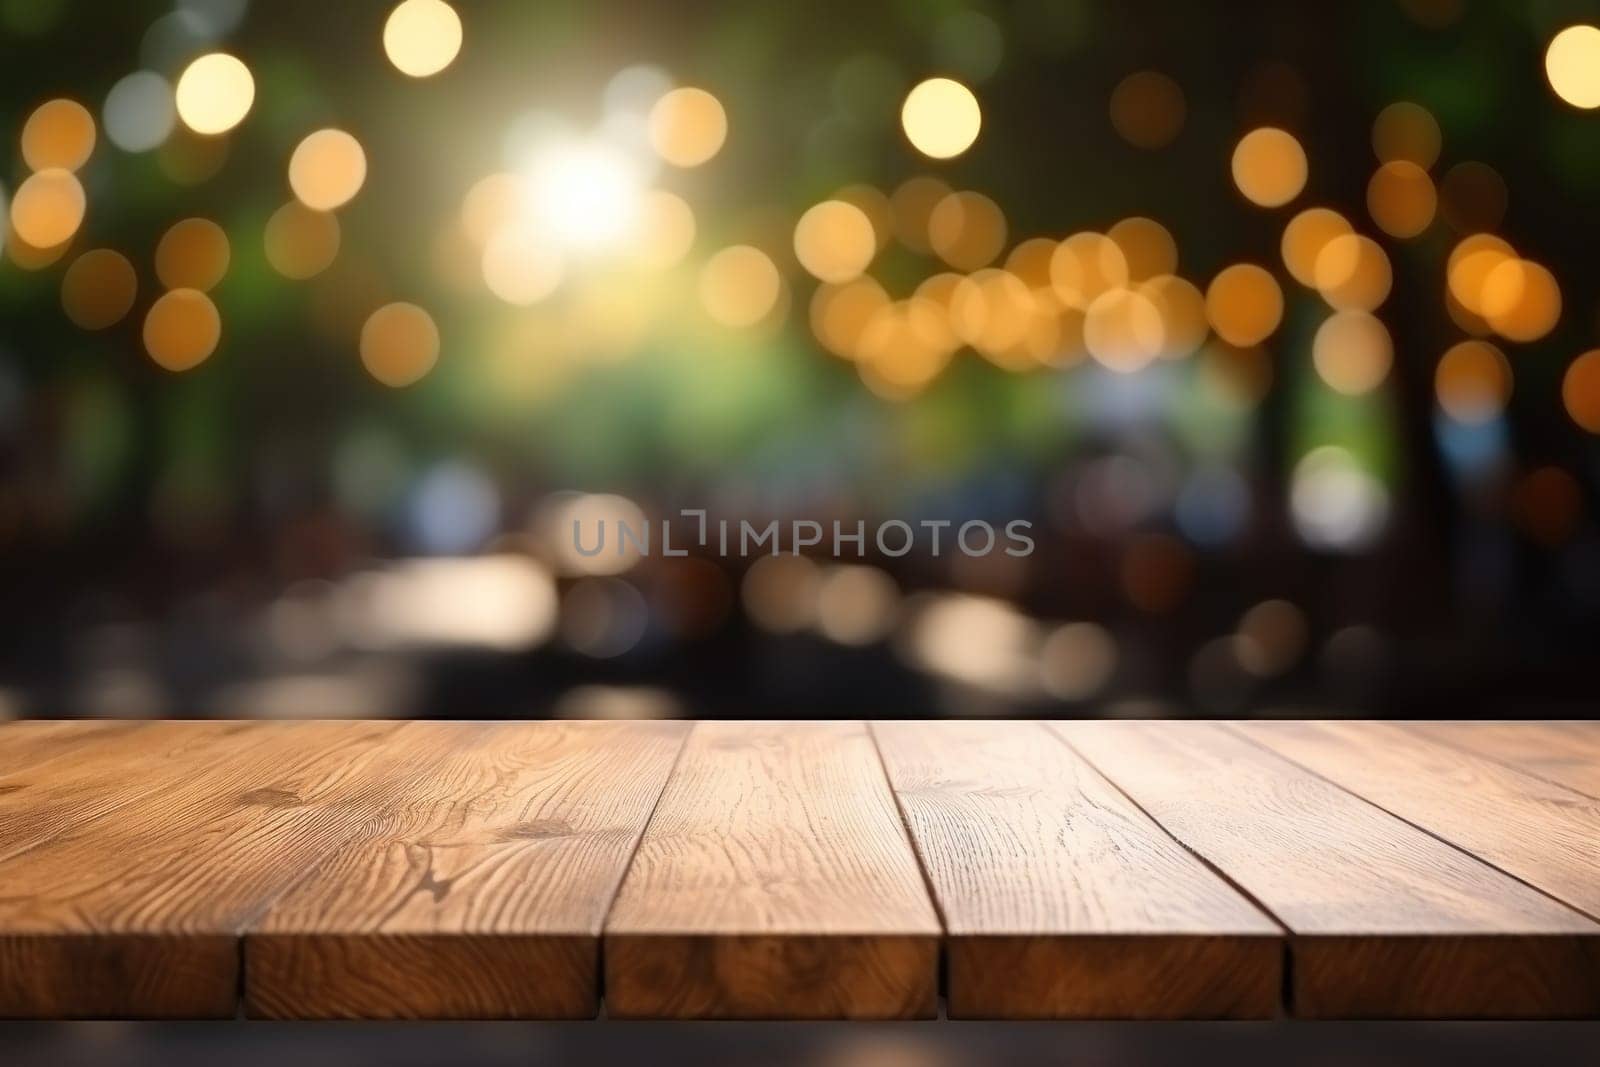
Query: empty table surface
point(1024, 870)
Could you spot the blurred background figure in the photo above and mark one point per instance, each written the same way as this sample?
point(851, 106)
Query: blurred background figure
point(323, 326)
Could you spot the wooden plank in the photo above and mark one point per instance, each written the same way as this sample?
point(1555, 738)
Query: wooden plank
point(85, 782)
point(140, 913)
point(27, 743)
point(481, 891)
point(1384, 920)
point(1061, 899)
point(774, 880)
point(1567, 753)
point(1543, 833)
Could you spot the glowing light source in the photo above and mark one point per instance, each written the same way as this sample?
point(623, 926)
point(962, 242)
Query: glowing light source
point(688, 126)
point(584, 193)
point(1244, 304)
point(1352, 352)
point(519, 268)
point(1084, 266)
point(1580, 391)
point(1472, 382)
point(740, 286)
point(1336, 504)
point(98, 289)
point(666, 230)
point(422, 37)
point(1401, 199)
point(1521, 300)
point(1353, 273)
point(139, 112)
point(1307, 234)
point(327, 169)
point(182, 329)
point(1269, 167)
point(967, 230)
point(1122, 330)
point(834, 241)
point(1572, 63)
point(1407, 132)
point(1148, 109)
point(301, 243)
point(59, 133)
point(48, 208)
point(193, 254)
point(941, 118)
point(399, 344)
point(215, 93)
point(1146, 245)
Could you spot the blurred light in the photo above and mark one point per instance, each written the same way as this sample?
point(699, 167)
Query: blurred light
point(969, 43)
point(967, 230)
point(912, 205)
point(903, 349)
point(1122, 330)
point(1406, 132)
point(399, 344)
point(584, 193)
point(1401, 199)
point(29, 257)
point(634, 90)
point(1147, 247)
point(173, 40)
point(220, 17)
point(1148, 109)
point(586, 702)
point(1084, 266)
point(453, 509)
point(48, 208)
point(1237, 377)
point(1218, 676)
point(1352, 352)
point(856, 605)
point(1335, 503)
point(603, 617)
point(139, 112)
point(1520, 299)
point(941, 118)
point(666, 230)
point(739, 286)
point(189, 158)
point(1469, 266)
point(839, 314)
point(582, 532)
point(688, 127)
point(422, 37)
point(1304, 238)
point(520, 269)
point(59, 133)
point(1030, 261)
point(193, 254)
point(1269, 167)
point(492, 203)
point(1572, 63)
point(99, 288)
point(1473, 382)
point(1473, 197)
point(1580, 391)
point(1182, 309)
point(182, 329)
point(1353, 273)
point(1077, 661)
point(1244, 304)
point(505, 603)
point(1274, 636)
point(214, 93)
point(327, 169)
point(979, 641)
point(301, 243)
point(1213, 506)
point(780, 593)
point(834, 241)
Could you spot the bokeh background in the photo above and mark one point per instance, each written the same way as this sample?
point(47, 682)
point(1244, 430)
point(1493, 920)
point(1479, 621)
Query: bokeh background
point(321, 322)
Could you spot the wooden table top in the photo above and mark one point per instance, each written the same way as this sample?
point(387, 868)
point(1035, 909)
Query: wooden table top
point(799, 870)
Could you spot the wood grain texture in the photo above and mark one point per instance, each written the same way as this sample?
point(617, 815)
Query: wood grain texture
point(1545, 834)
point(140, 912)
point(774, 881)
point(29, 742)
point(481, 890)
point(1566, 753)
point(1060, 898)
point(1385, 920)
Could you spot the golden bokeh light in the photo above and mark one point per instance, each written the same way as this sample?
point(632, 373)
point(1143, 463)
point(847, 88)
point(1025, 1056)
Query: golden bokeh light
point(422, 37)
point(967, 230)
point(1147, 246)
point(1406, 132)
point(1572, 63)
point(1471, 262)
point(98, 290)
point(1472, 382)
point(215, 93)
point(666, 230)
point(1244, 304)
point(59, 134)
point(1521, 300)
point(1122, 330)
point(1182, 308)
point(1401, 199)
point(1580, 391)
point(301, 243)
point(1352, 352)
point(28, 257)
point(688, 126)
point(1353, 273)
point(992, 311)
point(327, 169)
point(193, 254)
point(399, 344)
point(48, 208)
point(874, 204)
point(941, 118)
point(182, 329)
point(1269, 167)
point(1148, 109)
point(834, 241)
point(840, 313)
point(1085, 266)
point(1030, 261)
point(521, 269)
point(1307, 234)
point(912, 206)
point(740, 286)
point(895, 358)
point(491, 203)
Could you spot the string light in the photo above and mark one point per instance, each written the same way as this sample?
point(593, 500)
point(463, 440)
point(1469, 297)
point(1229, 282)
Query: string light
point(215, 93)
point(941, 118)
point(422, 37)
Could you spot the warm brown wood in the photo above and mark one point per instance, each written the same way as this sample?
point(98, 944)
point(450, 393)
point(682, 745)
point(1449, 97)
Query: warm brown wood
point(481, 891)
point(1566, 753)
point(84, 782)
point(29, 742)
point(140, 913)
point(774, 880)
point(1385, 920)
point(1060, 898)
point(1545, 834)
